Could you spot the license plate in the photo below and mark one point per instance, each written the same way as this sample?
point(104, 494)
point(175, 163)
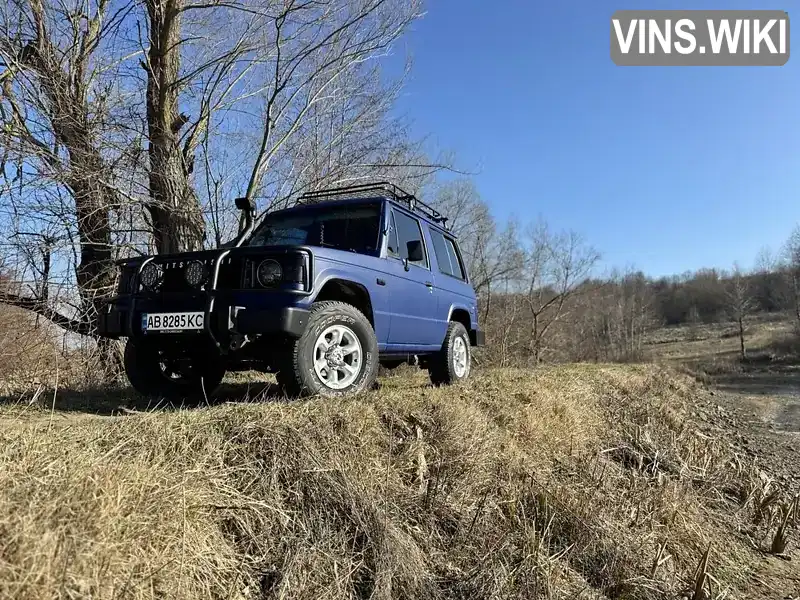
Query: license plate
point(172, 322)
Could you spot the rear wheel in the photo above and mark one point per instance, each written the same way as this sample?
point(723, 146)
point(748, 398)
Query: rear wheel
point(454, 361)
point(337, 354)
point(156, 371)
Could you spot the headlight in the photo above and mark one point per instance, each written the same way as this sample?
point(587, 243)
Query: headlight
point(151, 276)
point(195, 273)
point(269, 273)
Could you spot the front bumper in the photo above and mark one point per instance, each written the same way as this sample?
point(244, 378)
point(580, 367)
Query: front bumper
point(290, 320)
point(221, 323)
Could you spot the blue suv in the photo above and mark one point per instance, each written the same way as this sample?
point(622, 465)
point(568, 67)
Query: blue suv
point(320, 294)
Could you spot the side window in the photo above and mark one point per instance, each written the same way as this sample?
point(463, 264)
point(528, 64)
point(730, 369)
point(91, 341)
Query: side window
point(455, 263)
point(409, 233)
point(442, 254)
point(391, 245)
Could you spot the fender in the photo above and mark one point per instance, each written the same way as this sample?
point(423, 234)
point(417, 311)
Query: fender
point(471, 311)
point(327, 269)
point(350, 274)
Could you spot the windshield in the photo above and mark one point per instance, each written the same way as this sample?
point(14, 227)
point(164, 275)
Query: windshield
point(346, 227)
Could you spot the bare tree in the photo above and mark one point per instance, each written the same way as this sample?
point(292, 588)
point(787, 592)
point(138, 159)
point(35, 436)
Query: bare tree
point(321, 100)
point(173, 205)
point(771, 290)
point(292, 98)
point(555, 267)
point(739, 296)
point(765, 261)
point(51, 106)
point(792, 258)
point(626, 315)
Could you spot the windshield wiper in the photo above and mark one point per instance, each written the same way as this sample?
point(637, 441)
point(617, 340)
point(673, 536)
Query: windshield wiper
point(335, 247)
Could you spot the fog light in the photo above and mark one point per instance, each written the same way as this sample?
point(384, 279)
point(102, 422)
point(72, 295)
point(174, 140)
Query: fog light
point(195, 273)
point(150, 276)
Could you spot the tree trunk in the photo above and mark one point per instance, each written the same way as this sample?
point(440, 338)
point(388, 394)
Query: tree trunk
point(535, 341)
point(96, 273)
point(488, 306)
point(741, 338)
point(85, 177)
point(796, 289)
point(175, 211)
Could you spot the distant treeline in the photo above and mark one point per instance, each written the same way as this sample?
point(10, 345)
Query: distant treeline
point(608, 319)
point(703, 296)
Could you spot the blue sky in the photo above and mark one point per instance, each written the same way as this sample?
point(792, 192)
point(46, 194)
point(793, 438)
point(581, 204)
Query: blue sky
point(665, 169)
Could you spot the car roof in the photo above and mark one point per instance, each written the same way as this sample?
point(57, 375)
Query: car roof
point(348, 201)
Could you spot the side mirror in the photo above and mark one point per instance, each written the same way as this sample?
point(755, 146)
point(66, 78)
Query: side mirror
point(246, 204)
point(248, 209)
point(415, 253)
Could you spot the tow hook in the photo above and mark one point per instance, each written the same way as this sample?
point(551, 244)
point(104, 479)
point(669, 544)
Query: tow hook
point(237, 341)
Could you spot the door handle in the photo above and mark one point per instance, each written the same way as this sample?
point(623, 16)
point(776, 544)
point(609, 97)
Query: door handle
point(429, 283)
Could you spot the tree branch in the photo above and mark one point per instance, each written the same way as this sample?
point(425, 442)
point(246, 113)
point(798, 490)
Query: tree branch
point(42, 308)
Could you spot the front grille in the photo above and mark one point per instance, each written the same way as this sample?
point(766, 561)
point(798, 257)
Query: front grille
point(173, 280)
point(230, 273)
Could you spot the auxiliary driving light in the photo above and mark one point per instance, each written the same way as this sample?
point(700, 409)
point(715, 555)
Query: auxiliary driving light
point(269, 272)
point(195, 273)
point(150, 276)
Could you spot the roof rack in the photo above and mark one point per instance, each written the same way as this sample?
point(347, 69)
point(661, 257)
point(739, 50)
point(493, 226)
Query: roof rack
point(369, 190)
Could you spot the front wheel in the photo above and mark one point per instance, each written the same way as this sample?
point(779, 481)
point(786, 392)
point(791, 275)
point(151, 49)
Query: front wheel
point(337, 354)
point(155, 372)
point(454, 361)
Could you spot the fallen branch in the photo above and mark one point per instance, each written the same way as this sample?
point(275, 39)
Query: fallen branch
point(42, 308)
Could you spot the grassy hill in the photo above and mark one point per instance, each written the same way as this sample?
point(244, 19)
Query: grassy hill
point(575, 481)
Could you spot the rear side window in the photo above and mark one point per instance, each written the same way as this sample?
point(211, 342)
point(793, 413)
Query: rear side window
point(440, 248)
point(455, 263)
point(446, 255)
point(408, 231)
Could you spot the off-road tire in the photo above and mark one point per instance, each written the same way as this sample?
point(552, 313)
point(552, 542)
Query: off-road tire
point(296, 376)
point(141, 362)
point(441, 366)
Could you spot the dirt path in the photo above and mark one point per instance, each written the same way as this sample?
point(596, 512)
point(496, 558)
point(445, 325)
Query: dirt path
point(762, 409)
point(760, 412)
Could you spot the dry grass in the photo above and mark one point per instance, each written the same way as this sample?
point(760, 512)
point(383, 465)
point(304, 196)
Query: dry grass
point(718, 340)
point(36, 357)
point(708, 351)
point(579, 481)
point(28, 349)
